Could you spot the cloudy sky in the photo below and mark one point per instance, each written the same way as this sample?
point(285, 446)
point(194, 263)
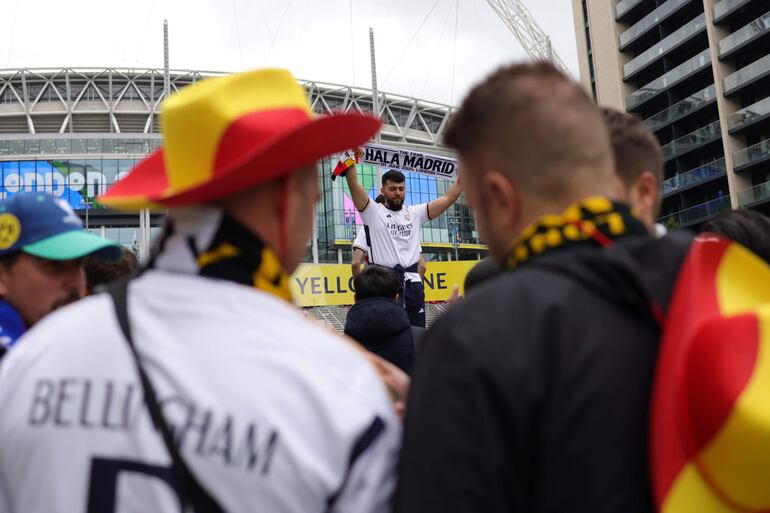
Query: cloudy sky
point(432, 49)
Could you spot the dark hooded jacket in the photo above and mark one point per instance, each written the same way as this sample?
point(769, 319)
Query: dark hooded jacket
point(532, 394)
point(382, 326)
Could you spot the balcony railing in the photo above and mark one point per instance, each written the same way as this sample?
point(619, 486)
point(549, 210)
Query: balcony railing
point(691, 28)
point(660, 84)
point(745, 34)
point(754, 194)
point(753, 71)
point(749, 114)
point(755, 153)
point(48, 144)
point(681, 108)
point(624, 6)
point(692, 140)
point(695, 176)
point(649, 21)
point(695, 213)
point(725, 7)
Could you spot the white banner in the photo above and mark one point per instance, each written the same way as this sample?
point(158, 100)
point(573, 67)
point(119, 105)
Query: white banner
point(410, 161)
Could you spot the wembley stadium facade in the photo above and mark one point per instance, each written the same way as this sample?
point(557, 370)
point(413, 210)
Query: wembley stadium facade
point(75, 131)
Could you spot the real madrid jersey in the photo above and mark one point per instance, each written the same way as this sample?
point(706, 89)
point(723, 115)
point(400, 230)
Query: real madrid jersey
point(271, 412)
point(360, 240)
point(395, 234)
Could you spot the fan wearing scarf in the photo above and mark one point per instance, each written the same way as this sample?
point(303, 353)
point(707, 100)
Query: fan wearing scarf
point(265, 410)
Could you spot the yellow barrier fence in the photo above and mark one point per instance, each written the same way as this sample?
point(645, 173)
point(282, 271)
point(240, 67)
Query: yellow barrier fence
point(332, 284)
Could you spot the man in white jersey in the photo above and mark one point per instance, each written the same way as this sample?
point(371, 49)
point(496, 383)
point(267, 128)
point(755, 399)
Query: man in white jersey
point(394, 232)
point(199, 386)
point(360, 249)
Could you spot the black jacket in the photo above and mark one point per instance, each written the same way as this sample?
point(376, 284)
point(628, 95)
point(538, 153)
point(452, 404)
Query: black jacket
point(382, 326)
point(532, 394)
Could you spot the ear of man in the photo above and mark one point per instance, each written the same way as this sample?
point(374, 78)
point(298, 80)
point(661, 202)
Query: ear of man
point(645, 196)
point(502, 211)
point(6, 268)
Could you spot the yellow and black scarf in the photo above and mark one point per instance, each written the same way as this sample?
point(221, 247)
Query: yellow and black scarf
point(210, 243)
point(594, 220)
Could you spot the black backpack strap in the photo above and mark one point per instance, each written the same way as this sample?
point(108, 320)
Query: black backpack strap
point(189, 486)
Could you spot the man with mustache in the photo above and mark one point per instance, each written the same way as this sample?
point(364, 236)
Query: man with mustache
point(42, 245)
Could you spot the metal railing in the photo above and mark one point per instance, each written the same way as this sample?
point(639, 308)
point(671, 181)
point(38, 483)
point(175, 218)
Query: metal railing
point(755, 153)
point(754, 194)
point(745, 34)
point(748, 73)
point(690, 29)
point(749, 114)
point(695, 176)
point(681, 108)
point(703, 135)
point(663, 82)
point(91, 144)
point(645, 24)
point(696, 213)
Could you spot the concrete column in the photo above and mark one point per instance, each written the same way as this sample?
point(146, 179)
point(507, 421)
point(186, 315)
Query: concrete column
point(608, 62)
point(339, 255)
point(726, 106)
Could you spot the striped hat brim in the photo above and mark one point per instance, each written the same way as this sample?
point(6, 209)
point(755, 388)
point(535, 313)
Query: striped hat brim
point(147, 185)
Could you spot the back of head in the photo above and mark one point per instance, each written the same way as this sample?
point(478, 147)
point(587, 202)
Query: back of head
point(635, 147)
point(749, 228)
point(102, 271)
point(541, 128)
point(376, 281)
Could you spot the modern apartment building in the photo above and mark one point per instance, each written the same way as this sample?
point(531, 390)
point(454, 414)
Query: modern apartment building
point(698, 72)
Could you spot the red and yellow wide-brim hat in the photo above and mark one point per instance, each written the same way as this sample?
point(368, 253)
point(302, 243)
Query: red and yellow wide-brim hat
point(710, 431)
point(223, 135)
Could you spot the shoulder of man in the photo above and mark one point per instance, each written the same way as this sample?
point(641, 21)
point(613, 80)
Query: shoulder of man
point(503, 308)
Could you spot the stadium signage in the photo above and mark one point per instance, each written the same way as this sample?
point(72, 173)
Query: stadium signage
point(55, 182)
point(410, 161)
point(73, 185)
point(332, 284)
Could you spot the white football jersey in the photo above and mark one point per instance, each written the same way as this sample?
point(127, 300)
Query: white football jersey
point(360, 240)
point(395, 235)
point(272, 412)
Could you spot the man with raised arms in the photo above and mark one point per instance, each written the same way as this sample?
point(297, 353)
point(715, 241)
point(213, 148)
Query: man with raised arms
point(394, 232)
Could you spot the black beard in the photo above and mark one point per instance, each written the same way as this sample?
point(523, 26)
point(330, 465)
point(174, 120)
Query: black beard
point(393, 207)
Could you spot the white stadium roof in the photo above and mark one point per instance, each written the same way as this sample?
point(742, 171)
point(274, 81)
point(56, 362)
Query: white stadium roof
point(126, 101)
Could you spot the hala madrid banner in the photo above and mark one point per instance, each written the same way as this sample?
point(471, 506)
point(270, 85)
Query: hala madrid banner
point(409, 161)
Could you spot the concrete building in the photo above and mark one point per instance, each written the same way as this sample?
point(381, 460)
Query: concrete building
point(698, 72)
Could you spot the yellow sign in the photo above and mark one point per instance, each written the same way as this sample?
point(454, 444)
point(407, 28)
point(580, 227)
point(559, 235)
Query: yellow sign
point(10, 229)
point(332, 284)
